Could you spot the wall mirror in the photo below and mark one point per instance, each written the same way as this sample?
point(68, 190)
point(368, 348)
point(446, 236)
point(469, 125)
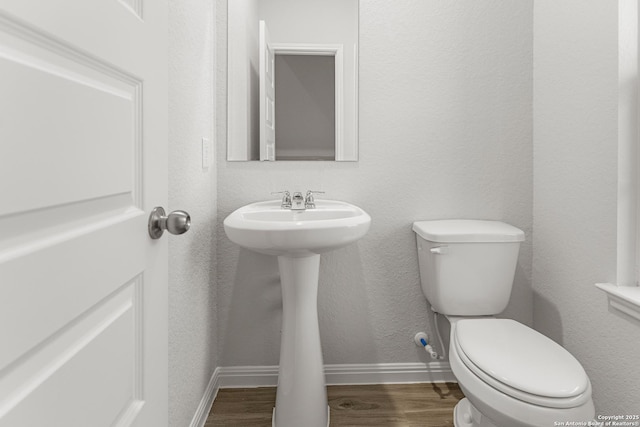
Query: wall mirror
point(292, 80)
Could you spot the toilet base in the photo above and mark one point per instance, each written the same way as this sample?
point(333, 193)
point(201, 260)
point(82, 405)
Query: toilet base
point(466, 415)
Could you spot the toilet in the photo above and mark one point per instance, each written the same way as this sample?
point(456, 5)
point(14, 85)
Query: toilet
point(511, 375)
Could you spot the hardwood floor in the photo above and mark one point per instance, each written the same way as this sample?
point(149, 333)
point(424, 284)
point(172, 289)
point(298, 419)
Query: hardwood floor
point(396, 405)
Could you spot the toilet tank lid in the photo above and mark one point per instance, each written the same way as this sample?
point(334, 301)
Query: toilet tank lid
point(467, 231)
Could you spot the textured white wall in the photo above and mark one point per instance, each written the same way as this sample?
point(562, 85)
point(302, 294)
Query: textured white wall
point(445, 132)
point(192, 305)
point(575, 190)
point(311, 21)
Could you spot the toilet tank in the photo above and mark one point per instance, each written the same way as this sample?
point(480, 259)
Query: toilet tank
point(467, 266)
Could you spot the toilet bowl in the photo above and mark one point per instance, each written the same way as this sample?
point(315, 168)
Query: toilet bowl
point(511, 375)
point(514, 376)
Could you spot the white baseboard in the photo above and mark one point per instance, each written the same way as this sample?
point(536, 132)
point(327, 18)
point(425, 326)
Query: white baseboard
point(248, 376)
point(210, 393)
point(351, 374)
point(373, 373)
point(389, 373)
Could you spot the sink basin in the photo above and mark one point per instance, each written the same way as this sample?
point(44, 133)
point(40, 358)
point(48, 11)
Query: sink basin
point(298, 238)
point(267, 228)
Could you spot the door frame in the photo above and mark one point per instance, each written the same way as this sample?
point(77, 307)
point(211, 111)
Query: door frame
point(337, 51)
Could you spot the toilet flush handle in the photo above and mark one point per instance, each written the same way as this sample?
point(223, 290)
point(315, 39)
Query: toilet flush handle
point(439, 250)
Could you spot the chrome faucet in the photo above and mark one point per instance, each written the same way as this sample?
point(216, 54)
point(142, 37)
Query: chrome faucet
point(309, 201)
point(286, 199)
point(297, 202)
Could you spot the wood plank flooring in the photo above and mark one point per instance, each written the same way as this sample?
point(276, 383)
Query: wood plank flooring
point(394, 405)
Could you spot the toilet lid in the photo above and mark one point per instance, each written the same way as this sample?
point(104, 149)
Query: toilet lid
point(521, 358)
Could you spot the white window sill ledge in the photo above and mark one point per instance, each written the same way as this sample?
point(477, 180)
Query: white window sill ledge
point(623, 299)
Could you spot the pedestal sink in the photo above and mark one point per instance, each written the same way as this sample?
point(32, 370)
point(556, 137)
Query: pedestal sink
point(297, 238)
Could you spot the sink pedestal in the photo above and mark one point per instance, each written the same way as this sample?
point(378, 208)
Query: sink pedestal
point(301, 398)
point(297, 238)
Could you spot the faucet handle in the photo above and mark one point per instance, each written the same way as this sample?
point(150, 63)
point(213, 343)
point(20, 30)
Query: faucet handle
point(309, 201)
point(286, 198)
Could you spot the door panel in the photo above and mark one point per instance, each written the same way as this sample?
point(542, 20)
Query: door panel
point(72, 275)
point(83, 160)
point(101, 393)
point(65, 116)
point(89, 119)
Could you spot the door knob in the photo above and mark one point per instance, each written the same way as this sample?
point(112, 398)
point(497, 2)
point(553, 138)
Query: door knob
point(177, 222)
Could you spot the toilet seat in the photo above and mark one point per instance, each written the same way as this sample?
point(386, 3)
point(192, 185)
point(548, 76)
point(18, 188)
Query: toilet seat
point(521, 363)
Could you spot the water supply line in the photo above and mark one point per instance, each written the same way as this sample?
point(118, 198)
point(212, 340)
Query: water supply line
point(429, 349)
point(422, 339)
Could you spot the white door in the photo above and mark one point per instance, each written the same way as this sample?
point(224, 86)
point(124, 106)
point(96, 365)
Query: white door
point(267, 97)
point(83, 152)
